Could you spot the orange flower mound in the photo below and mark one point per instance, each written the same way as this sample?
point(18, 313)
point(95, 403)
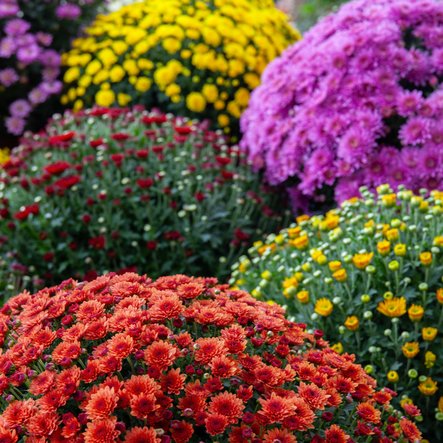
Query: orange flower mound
point(127, 359)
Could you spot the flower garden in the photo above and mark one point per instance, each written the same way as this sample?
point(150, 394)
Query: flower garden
point(217, 228)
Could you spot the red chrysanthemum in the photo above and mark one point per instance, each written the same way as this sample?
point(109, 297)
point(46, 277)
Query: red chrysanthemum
point(181, 431)
point(216, 424)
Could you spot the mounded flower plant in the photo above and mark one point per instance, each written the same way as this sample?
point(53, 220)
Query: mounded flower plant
point(195, 58)
point(126, 359)
point(370, 275)
point(115, 189)
point(32, 36)
point(356, 103)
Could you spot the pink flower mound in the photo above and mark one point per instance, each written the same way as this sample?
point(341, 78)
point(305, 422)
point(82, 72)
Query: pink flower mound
point(358, 101)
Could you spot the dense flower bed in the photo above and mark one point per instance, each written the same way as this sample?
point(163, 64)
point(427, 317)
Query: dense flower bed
point(199, 59)
point(112, 189)
point(369, 275)
point(357, 102)
point(32, 35)
point(179, 359)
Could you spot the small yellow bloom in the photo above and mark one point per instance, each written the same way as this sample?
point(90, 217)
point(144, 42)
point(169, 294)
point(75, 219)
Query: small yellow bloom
point(71, 74)
point(352, 323)
point(394, 307)
point(361, 261)
point(389, 199)
point(266, 275)
point(383, 247)
point(438, 241)
point(440, 404)
point(300, 242)
point(429, 334)
point(416, 312)
point(406, 401)
point(400, 249)
point(337, 347)
point(302, 218)
point(392, 234)
point(324, 307)
point(105, 98)
point(294, 232)
point(410, 349)
point(116, 74)
point(334, 265)
point(244, 265)
point(426, 258)
point(196, 102)
point(143, 84)
point(340, 275)
point(303, 297)
point(210, 93)
point(430, 359)
point(4, 156)
point(290, 282)
point(393, 376)
point(439, 295)
point(428, 387)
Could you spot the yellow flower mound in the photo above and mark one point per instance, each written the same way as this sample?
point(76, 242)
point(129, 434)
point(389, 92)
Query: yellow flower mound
point(369, 274)
point(191, 57)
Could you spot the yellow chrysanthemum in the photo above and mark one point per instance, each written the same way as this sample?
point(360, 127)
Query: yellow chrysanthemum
point(428, 387)
point(324, 307)
point(395, 307)
point(410, 349)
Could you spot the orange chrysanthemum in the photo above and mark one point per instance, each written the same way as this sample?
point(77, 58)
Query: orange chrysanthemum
point(410, 430)
point(336, 435)
point(90, 310)
point(316, 397)
point(141, 435)
point(120, 345)
point(227, 404)
point(368, 413)
point(173, 381)
point(142, 405)
point(276, 408)
point(42, 383)
point(208, 348)
point(280, 435)
point(161, 354)
point(166, 306)
point(101, 431)
point(101, 404)
point(65, 352)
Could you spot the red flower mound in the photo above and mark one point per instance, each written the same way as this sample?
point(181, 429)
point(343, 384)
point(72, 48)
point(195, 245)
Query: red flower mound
point(126, 359)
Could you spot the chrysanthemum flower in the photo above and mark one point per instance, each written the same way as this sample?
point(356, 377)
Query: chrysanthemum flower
point(243, 373)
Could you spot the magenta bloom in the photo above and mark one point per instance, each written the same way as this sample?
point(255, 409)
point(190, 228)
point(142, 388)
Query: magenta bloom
point(68, 11)
point(357, 102)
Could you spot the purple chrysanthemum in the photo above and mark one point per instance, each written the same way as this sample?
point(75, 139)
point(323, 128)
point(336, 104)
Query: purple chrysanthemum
point(30, 54)
point(364, 86)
